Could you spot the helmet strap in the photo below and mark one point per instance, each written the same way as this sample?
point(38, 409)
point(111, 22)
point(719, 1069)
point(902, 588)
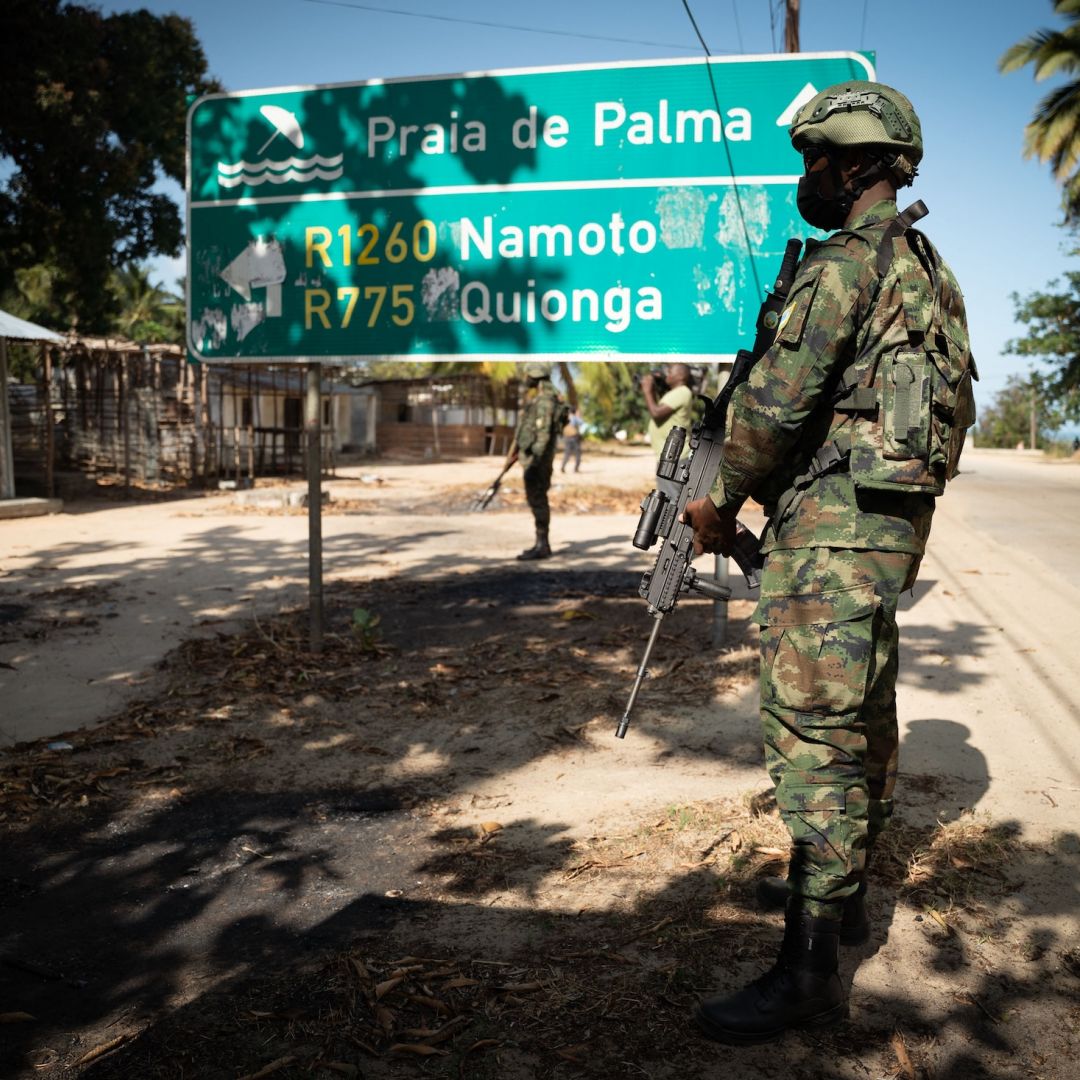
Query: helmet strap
point(848, 194)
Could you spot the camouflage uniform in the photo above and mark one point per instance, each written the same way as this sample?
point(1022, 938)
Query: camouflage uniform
point(536, 440)
point(847, 525)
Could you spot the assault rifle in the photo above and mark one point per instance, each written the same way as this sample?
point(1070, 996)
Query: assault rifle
point(483, 500)
point(679, 482)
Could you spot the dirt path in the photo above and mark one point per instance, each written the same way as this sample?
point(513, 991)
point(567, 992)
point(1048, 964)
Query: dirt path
point(427, 855)
point(92, 599)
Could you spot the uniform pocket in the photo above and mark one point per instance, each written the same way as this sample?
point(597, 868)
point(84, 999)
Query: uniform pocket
point(953, 414)
point(816, 651)
point(905, 405)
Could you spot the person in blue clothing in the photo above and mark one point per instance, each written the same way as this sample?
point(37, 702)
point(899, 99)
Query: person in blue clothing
point(572, 432)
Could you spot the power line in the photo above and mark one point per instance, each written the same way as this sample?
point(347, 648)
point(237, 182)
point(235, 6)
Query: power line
point(727, 150)
point(500, 26)
point(738, 28)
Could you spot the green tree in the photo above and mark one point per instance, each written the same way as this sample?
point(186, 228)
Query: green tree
point(37, 293)
point(1054, 133)
point(1053, 321)
point(1007, 422)
point(611, 399)
point(147, 313)
point(92, 110)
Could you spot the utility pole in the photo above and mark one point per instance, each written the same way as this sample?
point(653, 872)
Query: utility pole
point(1034, 425)
point(791, 26)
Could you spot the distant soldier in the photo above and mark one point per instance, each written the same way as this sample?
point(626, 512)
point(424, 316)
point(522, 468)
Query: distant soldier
point(534, 444)
point(846, 431)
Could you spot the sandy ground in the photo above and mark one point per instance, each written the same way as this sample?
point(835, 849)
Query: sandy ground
point(464, 793)
point(109, 590)
point(99, 594)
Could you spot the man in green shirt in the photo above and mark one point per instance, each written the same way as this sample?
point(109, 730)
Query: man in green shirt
point(674, 409)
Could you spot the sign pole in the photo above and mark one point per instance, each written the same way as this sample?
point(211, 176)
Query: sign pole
point(7, 461)
point(719, 611)
point(313, 425)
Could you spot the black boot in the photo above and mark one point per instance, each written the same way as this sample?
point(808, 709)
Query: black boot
point(802, 990)
point(772, 893)
point(539, 550)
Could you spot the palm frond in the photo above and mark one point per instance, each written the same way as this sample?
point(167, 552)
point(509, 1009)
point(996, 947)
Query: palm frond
point(1055, 128)
point(1049, 51)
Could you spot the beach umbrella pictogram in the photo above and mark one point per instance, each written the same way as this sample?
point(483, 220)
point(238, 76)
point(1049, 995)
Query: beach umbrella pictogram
point(284, 123)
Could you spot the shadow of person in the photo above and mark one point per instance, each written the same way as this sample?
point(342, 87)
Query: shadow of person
point(942, 777)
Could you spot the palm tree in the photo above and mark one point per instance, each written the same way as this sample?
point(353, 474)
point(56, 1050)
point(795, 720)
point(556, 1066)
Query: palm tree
point(148, 313)
point(1054, 134)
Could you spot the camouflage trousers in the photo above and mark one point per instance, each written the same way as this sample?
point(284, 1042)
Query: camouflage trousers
point(537, 481)
point(829, 658)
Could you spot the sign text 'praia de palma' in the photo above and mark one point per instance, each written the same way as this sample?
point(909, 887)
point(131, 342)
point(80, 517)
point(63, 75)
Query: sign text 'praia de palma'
point(591, 211)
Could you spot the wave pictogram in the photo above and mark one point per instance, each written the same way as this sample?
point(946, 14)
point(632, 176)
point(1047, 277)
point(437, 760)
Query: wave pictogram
point(291, 170)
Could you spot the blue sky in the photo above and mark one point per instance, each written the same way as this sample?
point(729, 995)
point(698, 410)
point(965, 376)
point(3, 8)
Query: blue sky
point(993, 214)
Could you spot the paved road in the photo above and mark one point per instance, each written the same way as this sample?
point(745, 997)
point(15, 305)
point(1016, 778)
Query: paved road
point(989, 691)
point(1022, 502)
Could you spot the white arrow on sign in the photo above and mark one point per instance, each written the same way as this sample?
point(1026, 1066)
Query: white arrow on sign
point(260, 265)
point(801, 98)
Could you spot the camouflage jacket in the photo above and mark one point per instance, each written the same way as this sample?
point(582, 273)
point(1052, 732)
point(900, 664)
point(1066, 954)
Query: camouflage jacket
point(536, 431)
point(839, 309)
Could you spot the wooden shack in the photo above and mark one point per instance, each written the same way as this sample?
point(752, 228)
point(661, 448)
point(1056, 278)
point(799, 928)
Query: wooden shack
point(105, 408)
point(445, 416)
point(257, 414)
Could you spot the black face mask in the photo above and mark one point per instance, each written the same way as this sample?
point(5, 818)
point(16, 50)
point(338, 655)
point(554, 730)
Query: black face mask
point(818, 210)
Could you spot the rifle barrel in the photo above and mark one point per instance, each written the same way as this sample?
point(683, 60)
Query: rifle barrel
point(642, 675)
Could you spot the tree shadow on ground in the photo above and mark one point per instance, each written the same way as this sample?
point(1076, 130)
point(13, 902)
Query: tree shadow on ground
point(146, 887)
point(504, 991)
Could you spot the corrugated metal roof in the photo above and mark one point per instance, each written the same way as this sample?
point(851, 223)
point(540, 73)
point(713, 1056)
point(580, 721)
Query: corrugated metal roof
point(120, 346)
point(21, 330)
point(268, 381)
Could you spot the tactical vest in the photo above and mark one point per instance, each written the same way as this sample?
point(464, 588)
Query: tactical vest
point(543, 416)
point(908, 395)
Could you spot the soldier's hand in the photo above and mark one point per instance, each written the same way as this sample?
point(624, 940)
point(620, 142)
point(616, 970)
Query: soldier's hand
point(714, 530)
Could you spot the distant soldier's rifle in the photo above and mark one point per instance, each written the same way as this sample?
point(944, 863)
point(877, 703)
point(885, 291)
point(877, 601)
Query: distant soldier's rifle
point(482, 500)
point(682, 481)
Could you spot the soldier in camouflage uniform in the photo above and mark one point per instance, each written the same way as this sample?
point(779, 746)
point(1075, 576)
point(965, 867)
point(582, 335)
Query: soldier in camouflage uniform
point(534, 444)
point(846, 432)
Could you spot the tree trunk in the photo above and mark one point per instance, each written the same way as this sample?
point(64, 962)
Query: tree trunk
point(571, 389)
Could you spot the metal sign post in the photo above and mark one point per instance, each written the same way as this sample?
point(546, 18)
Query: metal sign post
point(313, 427)
point(7, 458)
point(719, 608)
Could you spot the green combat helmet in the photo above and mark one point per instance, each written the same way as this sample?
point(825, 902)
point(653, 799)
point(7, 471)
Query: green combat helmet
point(859, 113)
point(537, 370)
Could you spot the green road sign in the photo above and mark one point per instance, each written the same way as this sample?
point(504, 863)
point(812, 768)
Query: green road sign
point(596, 211)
